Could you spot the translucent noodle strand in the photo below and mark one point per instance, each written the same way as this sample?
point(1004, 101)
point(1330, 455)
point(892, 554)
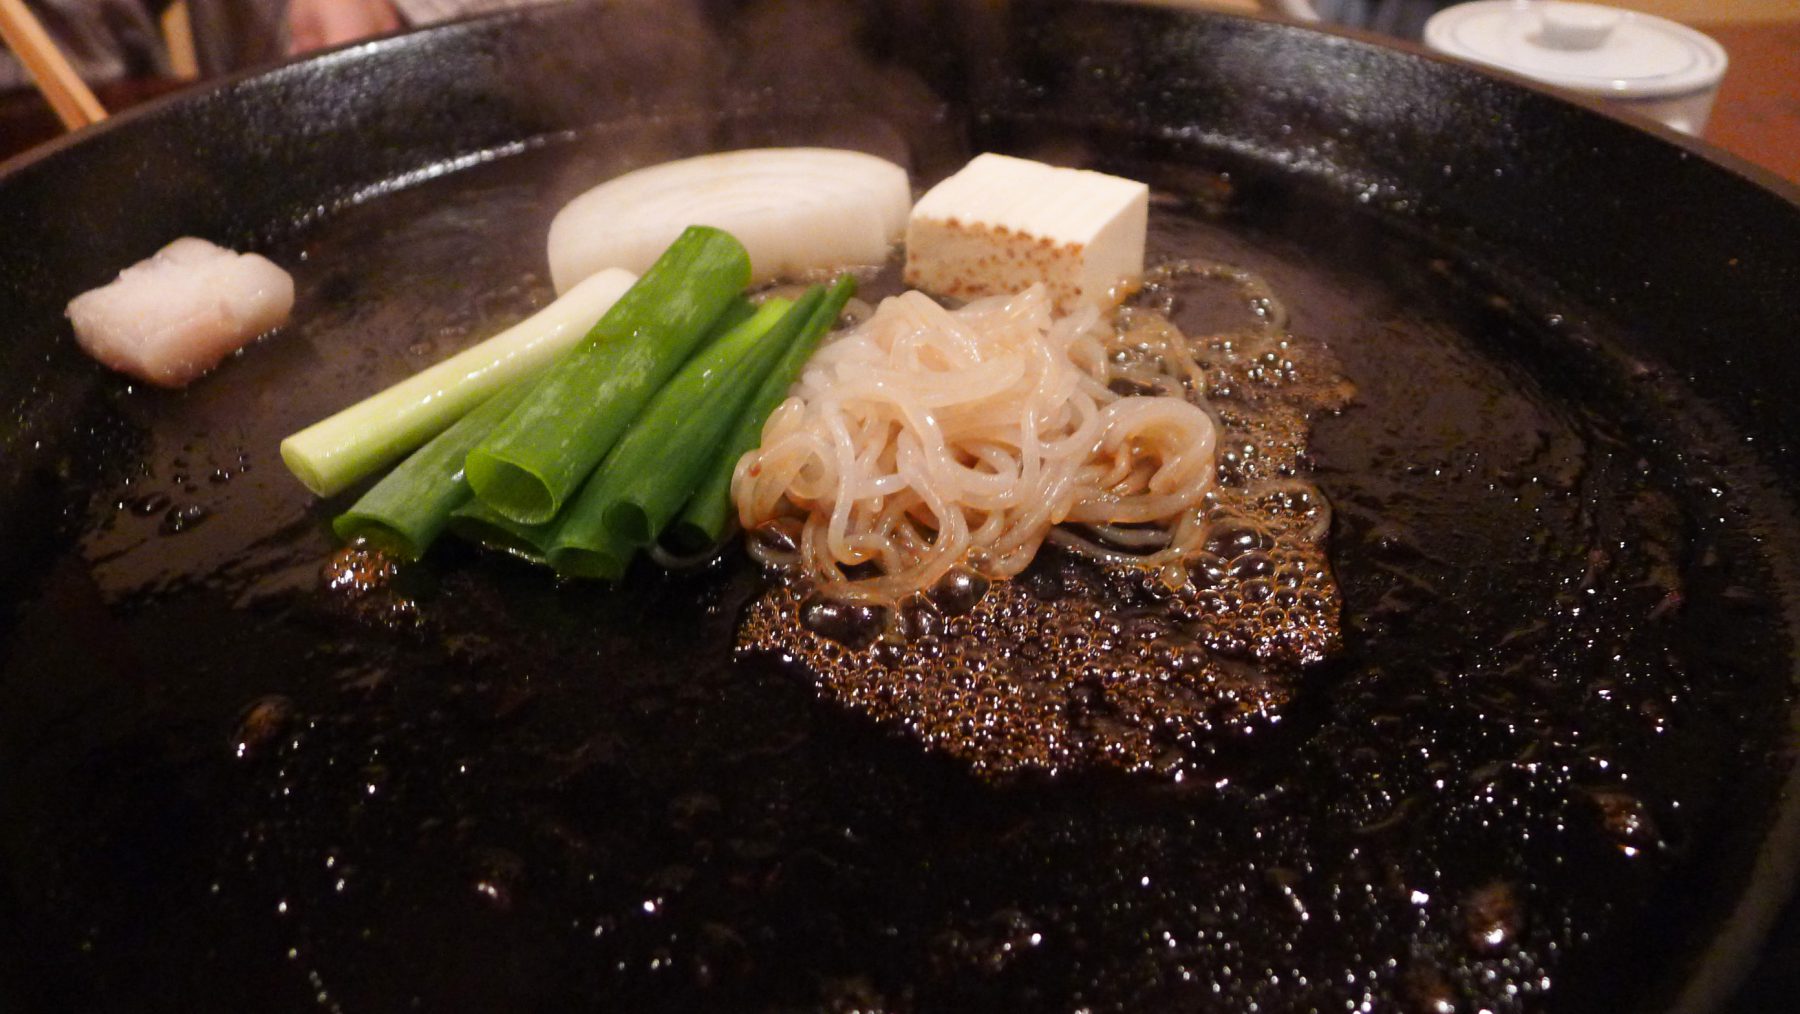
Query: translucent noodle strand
point(929, 439)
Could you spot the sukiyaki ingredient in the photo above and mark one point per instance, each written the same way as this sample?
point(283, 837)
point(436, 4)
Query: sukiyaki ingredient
point(538, 456)
point(655, 466)
point(641, 485)
point(796, 210)
point(1140, 645)
point(664, 411)
point(333, 454)
point(707, 515)
point(1001, 224)
point(407, 510)
point(930, 439)
point(172, 317)
point(477, 523)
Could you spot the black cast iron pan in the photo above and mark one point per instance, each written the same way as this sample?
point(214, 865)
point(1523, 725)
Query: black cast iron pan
point(1551, 770)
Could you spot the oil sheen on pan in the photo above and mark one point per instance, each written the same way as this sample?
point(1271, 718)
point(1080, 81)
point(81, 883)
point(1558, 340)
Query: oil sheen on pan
point(251, 774)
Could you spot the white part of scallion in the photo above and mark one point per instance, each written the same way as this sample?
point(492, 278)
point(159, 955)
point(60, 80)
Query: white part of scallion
point(331, 455)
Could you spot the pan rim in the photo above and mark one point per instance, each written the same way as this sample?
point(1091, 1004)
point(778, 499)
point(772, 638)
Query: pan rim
point(1755, 924)
point(1750, 172)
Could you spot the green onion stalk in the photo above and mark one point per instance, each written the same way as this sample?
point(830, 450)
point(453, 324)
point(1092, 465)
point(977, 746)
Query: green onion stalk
point(705, 519)
point(539, 455)
point(656, 466)
point(405, 512)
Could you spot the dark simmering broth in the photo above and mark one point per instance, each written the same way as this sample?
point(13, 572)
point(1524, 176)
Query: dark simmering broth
point(240, 779)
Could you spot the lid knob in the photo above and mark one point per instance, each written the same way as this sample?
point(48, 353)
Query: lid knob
point(1576, 26)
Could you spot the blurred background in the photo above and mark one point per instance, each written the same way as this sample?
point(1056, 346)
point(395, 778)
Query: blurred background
point(129, 51)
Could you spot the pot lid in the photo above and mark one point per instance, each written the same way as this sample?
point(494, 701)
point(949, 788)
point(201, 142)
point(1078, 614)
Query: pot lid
point(1588, 47)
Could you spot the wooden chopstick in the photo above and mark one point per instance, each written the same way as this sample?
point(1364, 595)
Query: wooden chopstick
point(75, 105)
point(178, 38)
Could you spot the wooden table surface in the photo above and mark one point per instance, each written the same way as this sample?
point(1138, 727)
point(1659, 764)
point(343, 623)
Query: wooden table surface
point(1757, 115)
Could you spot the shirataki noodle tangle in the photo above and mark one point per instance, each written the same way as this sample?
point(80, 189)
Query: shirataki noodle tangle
point(929, 439)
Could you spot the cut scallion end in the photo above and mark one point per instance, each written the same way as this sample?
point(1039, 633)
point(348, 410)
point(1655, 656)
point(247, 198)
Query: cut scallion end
point(540, 454)
point(644, 481)
point(405, 535)
point(335, 453)
point(475, 522)
point(406, 511)
point(592, 563)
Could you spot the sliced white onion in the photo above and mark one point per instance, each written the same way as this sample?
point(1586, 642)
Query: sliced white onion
point(795, 209)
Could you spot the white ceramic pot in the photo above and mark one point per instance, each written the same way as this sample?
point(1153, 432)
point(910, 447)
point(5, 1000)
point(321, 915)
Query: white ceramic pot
point(1644, 64)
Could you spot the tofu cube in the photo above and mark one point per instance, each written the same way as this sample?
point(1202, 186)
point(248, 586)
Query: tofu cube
point(1001, 223)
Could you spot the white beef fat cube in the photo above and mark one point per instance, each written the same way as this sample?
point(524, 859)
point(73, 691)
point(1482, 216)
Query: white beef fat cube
point(174, 316)
point(1001, 223)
